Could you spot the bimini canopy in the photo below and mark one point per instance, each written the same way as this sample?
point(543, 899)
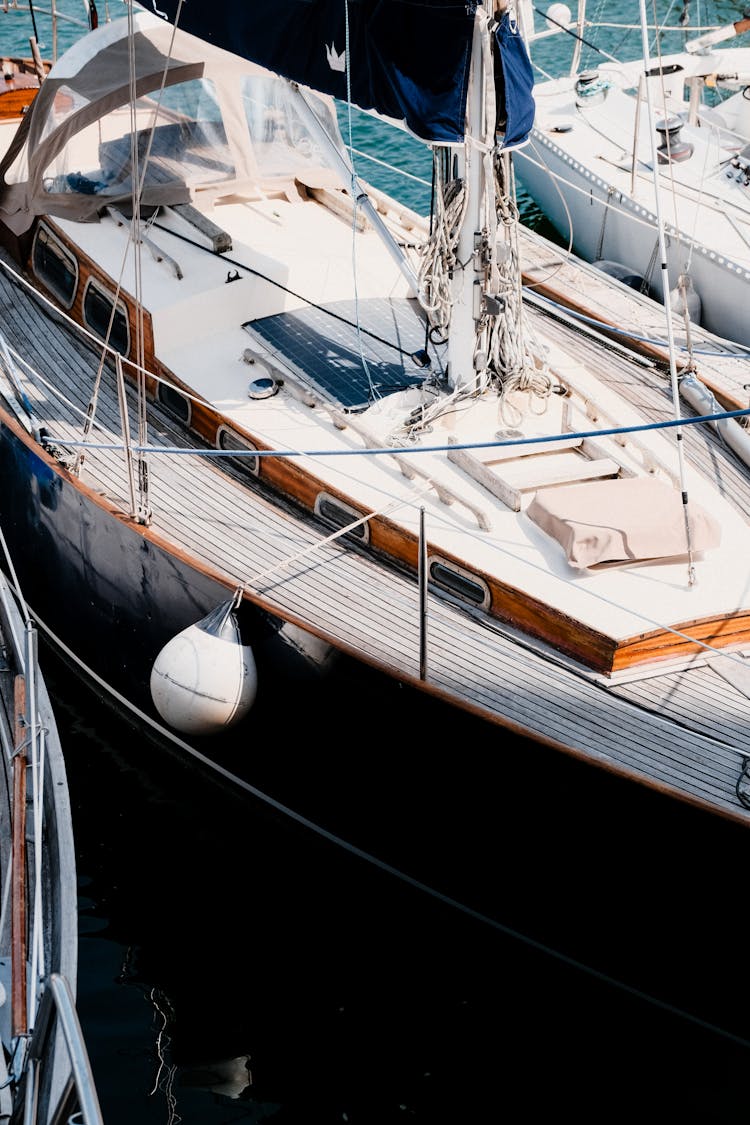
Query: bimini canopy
point(203, 120)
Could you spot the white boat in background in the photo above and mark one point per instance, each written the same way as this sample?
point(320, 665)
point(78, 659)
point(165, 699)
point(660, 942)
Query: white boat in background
point(607, 132)
point(45, 1075)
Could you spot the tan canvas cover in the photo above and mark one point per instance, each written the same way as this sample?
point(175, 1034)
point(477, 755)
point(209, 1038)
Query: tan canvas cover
point(92, 82)
point(619, 520)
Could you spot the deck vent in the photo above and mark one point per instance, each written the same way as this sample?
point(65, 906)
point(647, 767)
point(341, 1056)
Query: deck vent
point(341, 515)
point(264, 387)
point(468, 587)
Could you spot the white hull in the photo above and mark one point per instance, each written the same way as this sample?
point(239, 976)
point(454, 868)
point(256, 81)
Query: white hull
point(578, 167)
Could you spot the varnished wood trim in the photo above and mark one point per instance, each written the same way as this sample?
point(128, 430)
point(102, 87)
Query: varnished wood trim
point(687, 639)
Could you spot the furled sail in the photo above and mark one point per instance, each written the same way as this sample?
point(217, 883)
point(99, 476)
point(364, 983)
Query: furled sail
point(407, 59)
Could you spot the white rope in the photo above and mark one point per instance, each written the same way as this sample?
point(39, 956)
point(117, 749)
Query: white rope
point(440, 252)
point(508, 353)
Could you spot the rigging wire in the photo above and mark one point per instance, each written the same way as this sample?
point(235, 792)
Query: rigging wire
point(667, 306)
point(355, 191)
point(135, 237)
point(499, 443)
point(280, 285)
point(579, 38)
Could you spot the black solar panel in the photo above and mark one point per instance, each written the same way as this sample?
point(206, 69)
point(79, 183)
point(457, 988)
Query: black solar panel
point(346, 366)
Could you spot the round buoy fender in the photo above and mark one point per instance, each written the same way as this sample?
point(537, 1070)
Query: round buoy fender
point(204, 680)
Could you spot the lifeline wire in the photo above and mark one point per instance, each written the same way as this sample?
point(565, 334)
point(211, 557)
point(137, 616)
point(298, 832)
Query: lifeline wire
point(191, 451)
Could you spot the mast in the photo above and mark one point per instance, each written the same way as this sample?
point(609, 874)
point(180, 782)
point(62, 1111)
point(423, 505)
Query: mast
point(469, 274)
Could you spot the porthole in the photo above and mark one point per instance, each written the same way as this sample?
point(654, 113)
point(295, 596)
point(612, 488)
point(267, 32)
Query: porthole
point(173, 401)
point(464, 585)
point(228, 439)
point(54, 265)
point(341, 515)
point(98, 315)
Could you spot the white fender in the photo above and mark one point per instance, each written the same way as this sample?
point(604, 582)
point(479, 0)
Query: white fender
point(702, 399)
point(685, 296)
point(204, 680)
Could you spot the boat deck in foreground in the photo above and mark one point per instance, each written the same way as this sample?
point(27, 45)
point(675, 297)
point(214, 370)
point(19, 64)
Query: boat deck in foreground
point(372, 612)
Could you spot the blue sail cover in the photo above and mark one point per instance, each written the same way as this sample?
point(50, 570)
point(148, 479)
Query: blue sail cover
point(408, 59)
point(515, 85)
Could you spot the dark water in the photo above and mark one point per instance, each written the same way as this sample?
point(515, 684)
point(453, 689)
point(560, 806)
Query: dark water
point(583, 953)
point(600, 973)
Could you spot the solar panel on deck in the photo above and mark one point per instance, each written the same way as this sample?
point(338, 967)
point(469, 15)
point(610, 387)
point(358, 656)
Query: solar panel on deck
point(347, 366)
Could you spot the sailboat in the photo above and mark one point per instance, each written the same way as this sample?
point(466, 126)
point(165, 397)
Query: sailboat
point(45, 1074)
point(591, 166)
point(260, 421)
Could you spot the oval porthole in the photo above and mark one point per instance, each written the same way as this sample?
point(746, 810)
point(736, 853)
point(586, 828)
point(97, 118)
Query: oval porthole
point(340, 515)
point(228, 439)
point(106, 317)
point(54, 265)
point(461, 583)
point(173, 401)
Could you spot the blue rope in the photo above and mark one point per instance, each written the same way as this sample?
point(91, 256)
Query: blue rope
point(612, 431)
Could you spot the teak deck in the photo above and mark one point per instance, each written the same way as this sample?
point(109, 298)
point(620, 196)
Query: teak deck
point(372, 612)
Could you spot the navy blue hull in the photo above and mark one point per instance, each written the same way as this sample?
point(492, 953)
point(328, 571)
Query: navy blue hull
point(103, 587)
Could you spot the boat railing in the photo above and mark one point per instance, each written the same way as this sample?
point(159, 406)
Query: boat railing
point(77, 1097)
point(557, 20)
point(48, 1069)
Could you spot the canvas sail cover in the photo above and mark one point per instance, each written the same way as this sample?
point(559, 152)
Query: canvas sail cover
point(407, 59)
point(515, 82)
